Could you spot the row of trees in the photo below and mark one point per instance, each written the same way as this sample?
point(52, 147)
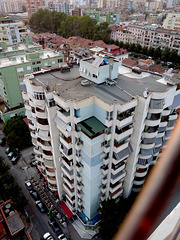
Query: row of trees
point(10, 188)
point(17, 133)
point(166, 55)
point(112, 214)
point(66, 26)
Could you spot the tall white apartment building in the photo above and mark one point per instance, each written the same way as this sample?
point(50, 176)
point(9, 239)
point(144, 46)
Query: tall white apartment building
point(172, 21)
point(98, 129)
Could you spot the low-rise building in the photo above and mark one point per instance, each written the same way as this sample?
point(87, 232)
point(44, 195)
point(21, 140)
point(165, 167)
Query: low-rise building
point(172, 21)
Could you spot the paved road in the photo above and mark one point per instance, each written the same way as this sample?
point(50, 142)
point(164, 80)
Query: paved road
point(21, 172)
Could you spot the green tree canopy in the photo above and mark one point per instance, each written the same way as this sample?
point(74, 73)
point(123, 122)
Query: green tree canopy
point(17, 133)
point(102, 32)
point(165, 54)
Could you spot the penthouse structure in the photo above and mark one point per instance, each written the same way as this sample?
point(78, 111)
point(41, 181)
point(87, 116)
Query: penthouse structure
point(148, 35)
point(16, 61)
point(97, 130)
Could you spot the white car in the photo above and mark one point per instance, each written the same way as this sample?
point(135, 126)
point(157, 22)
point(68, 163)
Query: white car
point(48, 236)
point(62, 237)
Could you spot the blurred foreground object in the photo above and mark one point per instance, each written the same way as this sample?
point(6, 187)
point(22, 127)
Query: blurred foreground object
point(154, 194)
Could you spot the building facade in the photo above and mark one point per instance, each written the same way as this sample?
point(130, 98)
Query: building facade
point(96, 137)
point(113, 18)
point(17, 61)
point(12, 30)
point(172, 21)
point(149, 36)
point(33, 6)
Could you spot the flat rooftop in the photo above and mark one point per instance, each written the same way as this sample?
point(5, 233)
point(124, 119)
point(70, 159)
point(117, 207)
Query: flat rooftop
point(68, 85)
point(14, 223)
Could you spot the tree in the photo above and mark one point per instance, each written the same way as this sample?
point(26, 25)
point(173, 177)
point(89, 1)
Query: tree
point(150, 51)
point(87, 26)
point(132, 47)
point(173, 56)
point(144, 50)
point(157, 53)
point(102, 32)
point(165, 54)
point(121, 44)
point(138, 48)
point(17, 133)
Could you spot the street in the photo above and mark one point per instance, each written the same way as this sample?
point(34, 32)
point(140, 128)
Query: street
point(39, 221)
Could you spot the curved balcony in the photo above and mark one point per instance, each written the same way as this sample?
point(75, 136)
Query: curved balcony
point(33, 134)
point(147, 146)
point(42, 126)
point(163, 124)
point(47, 156)
point(52, 187)
point(173, 117)
point(105, 161)
point(150, 134)
point(136, 189)
point(31, 103)
point(38, 102)
point(32, 127)
point(37, 151)
point(65, 133)
point(125, 134)
point(104, 170)
point(150, 110)
point(33, 114)
point(25, 96)
point(42, 114)
point(152, 123)
point(141, 174)
point(166, 112)
point(117, 177)
point(27, 106)
point(103, 197)
point(141, 182)
point(51, 180)
point(160, 135)
point(50, 172)
point(122, 146)
point(49, 163)
point(44, 147)
point(119, 169)
point(65, 116)
point(68, 164)
point(126, 121)
point(116, 194)
point(68, 190)
point(34, 141)
point(104, 180)
point(103, 189)
point(115, 161)
point(115, 187)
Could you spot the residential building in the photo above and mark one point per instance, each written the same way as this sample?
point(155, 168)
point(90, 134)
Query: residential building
point(172, 21)
point(96, 137)
point(15, 62)
point(33, 6)
point(58, 7)
point(12, 29)
point(95, 15)
point(113, 18)
point(148, 35)
point(76, 12)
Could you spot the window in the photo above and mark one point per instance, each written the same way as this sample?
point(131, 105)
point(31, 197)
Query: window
point(60, 60)
point(36, 69)
point(33, 63)
point(103, 143)
point(38, 62)
point(28, 68)
point(51, 103)
point(20, 70)
point(21, 76)
point(39, 95)
point(94, 75)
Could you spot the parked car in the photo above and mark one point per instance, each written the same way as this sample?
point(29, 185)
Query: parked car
point(41, 206)
point(62, 237)
point(3, 141)
point(48, 236)
point(52, 222)
point(10, 155)
point(35, 195)
point(8, 150)
point(15, 159)
point(34, 163)
point(28, 185)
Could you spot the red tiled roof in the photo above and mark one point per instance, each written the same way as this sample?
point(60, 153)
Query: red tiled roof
point(147, 61)
point(129, 62)
point(157, 68)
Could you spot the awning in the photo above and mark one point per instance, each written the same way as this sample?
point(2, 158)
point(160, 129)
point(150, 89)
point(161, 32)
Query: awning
point(124, 152)
point(66, 209)
point(142, 161)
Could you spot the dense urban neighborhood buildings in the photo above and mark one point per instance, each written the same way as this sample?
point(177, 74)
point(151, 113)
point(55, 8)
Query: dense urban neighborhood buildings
point(98, 128)
point(147, 35)
point(17, 61)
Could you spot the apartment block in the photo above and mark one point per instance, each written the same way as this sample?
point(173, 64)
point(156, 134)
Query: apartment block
point(172, 21)
point(34, 5)
point(15, 62)
point(95, 15)
point(113, 18)
point(98, 129)
point(148, 35)
point(12, 30)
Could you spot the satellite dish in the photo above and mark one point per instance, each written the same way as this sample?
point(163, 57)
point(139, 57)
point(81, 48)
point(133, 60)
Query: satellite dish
point(68, 128)
point(145, 93)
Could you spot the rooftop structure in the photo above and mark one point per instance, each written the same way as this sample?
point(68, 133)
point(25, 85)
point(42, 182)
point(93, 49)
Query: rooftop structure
point(96, 135)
